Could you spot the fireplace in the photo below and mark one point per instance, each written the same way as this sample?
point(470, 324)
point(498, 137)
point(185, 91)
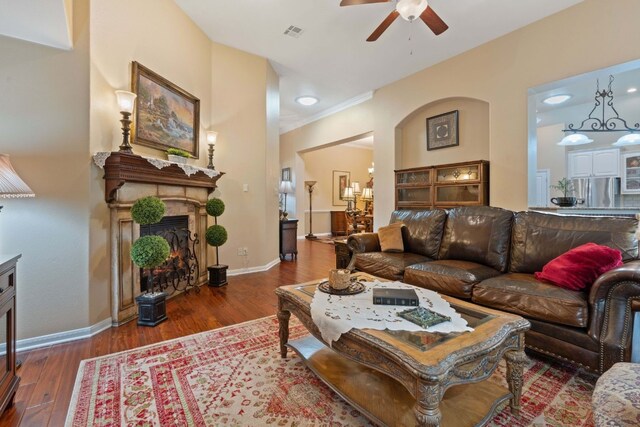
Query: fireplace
point(181, 270)
point(184, 190)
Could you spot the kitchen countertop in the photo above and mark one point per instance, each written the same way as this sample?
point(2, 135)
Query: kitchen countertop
point(626, 211)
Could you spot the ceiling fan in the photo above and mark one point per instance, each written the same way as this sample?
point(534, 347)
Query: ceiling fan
point(409, 10)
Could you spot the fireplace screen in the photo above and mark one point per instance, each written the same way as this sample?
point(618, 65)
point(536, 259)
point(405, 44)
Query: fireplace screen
point(181, 270)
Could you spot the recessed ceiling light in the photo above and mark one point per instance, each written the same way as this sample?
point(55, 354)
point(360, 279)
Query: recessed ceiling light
point(556, 99)
point(632, 89)
point(307, 100)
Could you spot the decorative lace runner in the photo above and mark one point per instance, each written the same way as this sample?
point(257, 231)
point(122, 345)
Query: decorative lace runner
point(336, 314)
point(101, 157)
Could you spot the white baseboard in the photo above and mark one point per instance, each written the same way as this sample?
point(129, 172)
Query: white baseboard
point(256, 269)
point(82, 333)
point(60, 337)
point(315, 234)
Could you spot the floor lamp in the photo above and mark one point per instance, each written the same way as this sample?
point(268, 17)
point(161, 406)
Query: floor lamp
point(309, 185)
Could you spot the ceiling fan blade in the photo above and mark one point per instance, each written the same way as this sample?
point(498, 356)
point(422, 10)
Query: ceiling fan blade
point(357, 2)
point(382, 27)
point(433, 21)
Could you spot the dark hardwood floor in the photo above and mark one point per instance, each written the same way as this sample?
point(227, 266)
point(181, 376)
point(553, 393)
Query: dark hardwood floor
point(48, 373)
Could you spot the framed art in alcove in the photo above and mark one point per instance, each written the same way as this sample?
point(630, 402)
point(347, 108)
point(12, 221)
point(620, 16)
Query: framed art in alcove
point(442, 130)
point(166, 116)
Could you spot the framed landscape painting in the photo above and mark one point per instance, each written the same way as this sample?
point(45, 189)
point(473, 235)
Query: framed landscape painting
point(442, 130)
point(166, 116)
point(340, 182)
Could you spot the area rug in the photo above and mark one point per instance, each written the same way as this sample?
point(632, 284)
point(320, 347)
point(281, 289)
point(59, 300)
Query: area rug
point(234, 376)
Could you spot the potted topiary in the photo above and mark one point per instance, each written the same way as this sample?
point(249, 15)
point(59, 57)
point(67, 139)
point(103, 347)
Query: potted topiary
point(177, 155)
point(147, 253)
point(216, 236)
point(565, 187)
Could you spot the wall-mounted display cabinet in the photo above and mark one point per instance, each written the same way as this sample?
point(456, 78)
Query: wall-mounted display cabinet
point(443, 186)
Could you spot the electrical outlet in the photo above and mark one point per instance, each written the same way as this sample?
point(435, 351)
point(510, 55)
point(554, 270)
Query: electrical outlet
point(242, 251)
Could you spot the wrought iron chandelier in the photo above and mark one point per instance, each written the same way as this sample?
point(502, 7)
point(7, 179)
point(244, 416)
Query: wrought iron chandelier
point(615, 123)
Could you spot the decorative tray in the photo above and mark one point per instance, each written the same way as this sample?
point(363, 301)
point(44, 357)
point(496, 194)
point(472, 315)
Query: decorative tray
point(423, 317)
point(354, 288)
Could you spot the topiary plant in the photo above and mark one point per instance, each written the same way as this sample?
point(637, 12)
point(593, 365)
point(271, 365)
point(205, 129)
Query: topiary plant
point(215, 207)
point(148, 210)
point(216, 235)
point(150, 251)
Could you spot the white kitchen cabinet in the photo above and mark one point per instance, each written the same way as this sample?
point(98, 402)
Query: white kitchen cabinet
point(584, 164)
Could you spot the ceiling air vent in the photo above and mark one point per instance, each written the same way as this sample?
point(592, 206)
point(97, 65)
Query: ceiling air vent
point(293, 31)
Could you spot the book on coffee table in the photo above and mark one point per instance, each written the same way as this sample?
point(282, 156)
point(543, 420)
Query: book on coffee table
point(390, 296)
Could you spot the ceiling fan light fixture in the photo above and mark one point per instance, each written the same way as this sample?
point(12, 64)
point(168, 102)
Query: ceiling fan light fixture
point(575, 139)
point(409, 10)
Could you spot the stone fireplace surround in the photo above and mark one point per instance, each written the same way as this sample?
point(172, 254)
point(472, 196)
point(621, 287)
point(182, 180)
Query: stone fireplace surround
point(129, 177)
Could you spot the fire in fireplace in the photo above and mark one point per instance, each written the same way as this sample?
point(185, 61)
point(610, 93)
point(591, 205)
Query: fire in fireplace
point(181, 270)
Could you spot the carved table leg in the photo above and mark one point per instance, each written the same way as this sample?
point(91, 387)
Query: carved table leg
point(427, 408)
point(283, 320)
point(516, 359)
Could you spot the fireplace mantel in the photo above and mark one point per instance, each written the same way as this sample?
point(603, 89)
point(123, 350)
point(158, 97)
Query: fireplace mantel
point(120, 168)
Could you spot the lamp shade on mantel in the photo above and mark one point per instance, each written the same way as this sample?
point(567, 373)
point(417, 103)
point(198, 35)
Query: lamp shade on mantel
point(286, 187)
point(11, 185)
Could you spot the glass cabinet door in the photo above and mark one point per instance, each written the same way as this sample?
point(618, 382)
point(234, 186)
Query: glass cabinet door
point(421, 177)
point(457, 174)
point(631, 173)
point(414, 196)
point(458, 194)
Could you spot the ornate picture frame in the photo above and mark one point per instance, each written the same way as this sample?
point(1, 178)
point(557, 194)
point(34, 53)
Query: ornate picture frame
point(442, 131)
point(166, 116)
point(341, 180)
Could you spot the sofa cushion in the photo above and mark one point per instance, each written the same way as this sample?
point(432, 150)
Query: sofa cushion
point(538, 238)
point(387, 265)
point(422, 233)
point(578, 268)
point(450, 277)
point(391, 237)
point(478, 233)
point(524, 295)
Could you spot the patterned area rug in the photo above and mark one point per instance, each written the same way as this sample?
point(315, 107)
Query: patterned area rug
point(234, 376)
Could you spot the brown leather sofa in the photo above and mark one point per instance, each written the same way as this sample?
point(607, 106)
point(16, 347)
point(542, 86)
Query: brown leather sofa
point(488, 255)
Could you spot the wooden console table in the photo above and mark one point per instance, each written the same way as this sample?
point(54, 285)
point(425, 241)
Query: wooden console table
point(8, 379)
point(289, 238)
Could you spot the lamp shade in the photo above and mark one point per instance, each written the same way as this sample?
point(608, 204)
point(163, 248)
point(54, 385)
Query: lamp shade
point(212, 137)
point(11, 185)
point(367, 194)
point(126, 100)
point(628, 139)
point(356, 187)
point(286, 187)
point(575, 139)
point(310, 184)
point(348, 194)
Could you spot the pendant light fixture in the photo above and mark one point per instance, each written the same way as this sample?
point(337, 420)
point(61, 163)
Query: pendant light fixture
point(614, 123)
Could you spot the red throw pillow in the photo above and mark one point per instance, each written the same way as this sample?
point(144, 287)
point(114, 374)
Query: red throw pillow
point(578, 268)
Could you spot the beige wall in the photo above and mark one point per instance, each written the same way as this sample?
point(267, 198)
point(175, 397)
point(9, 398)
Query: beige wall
point(500, 73)
point(551, 155)
point(58, 108)
point(319, 166)
point(44, 122)
point(473, 134)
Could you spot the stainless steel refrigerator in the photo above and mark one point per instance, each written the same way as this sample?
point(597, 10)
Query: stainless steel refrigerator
point(597, 192)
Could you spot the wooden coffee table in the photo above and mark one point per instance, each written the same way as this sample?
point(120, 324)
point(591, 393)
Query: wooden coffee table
point(400, 378)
